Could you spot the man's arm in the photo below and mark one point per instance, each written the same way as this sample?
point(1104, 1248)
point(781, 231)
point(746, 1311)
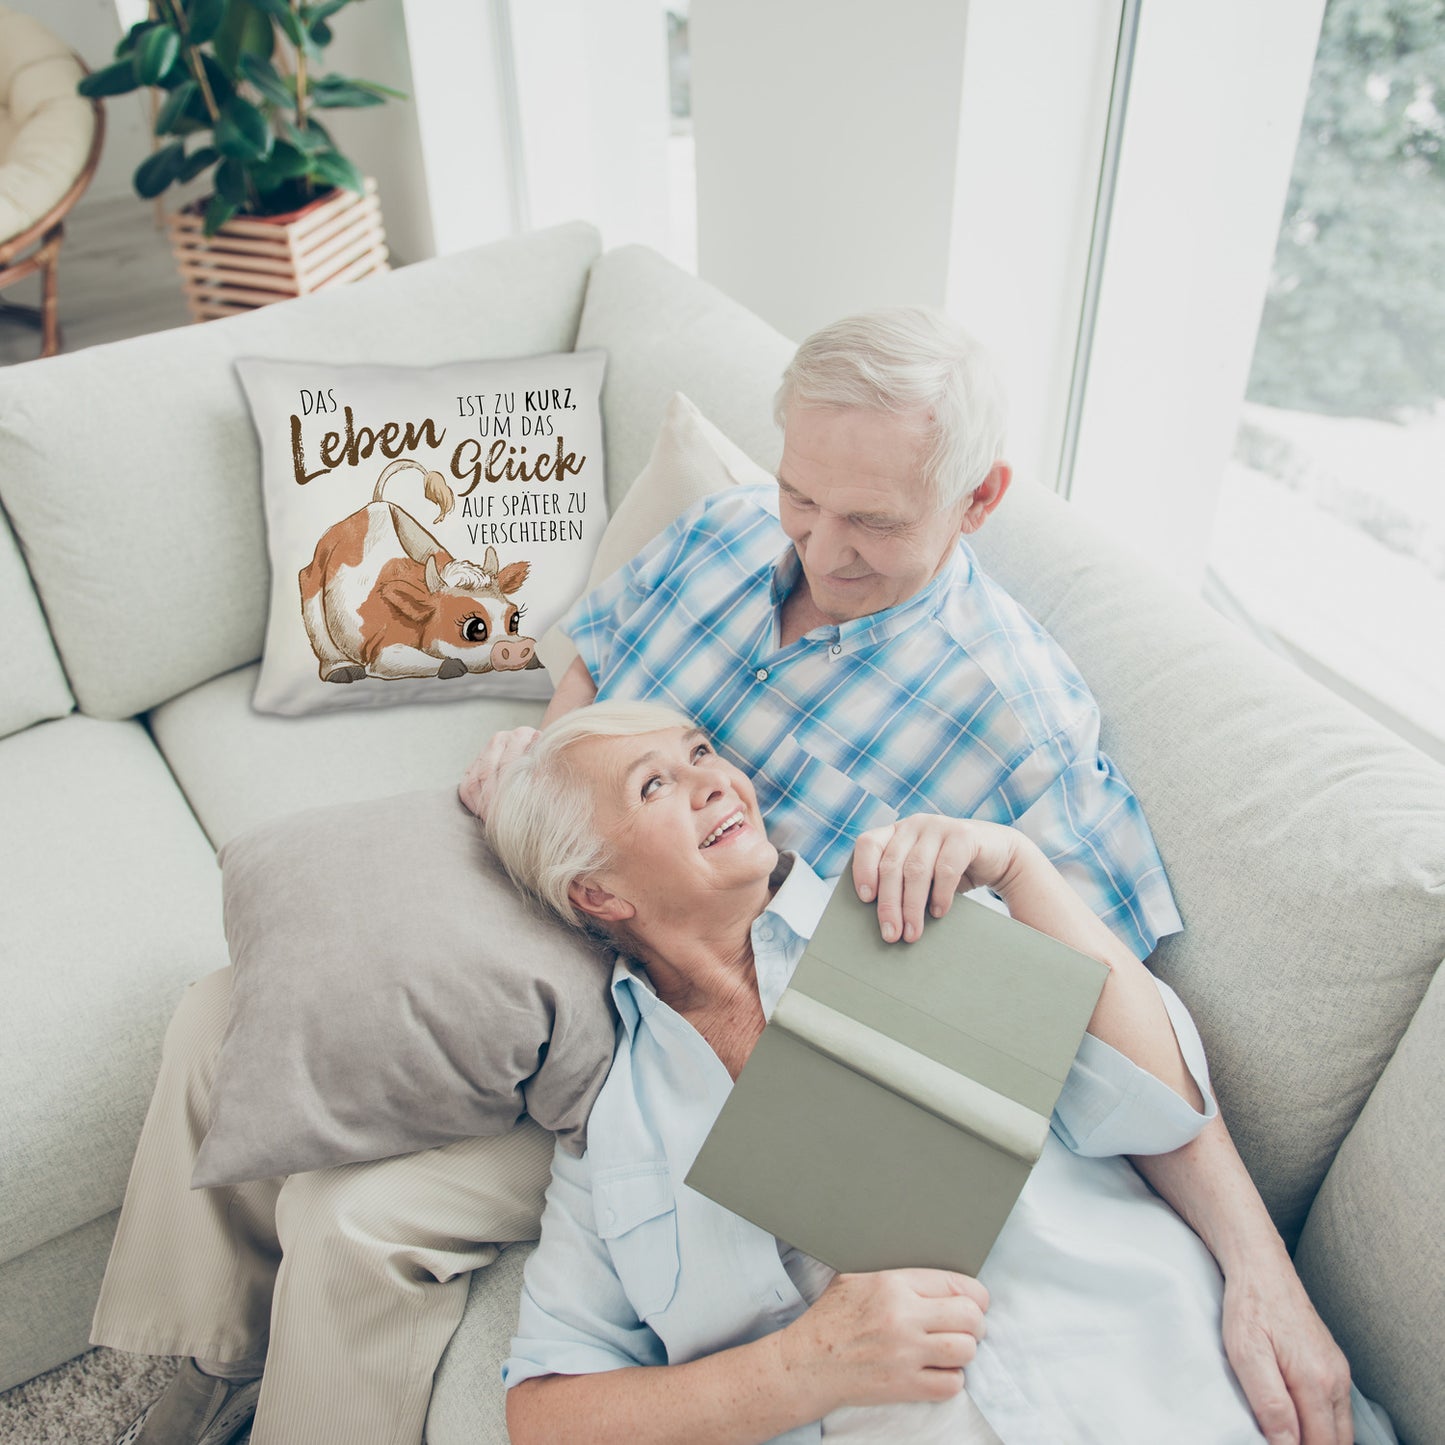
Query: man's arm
point(1295, 1377)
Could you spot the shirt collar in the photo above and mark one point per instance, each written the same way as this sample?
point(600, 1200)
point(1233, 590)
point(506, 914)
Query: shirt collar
point(878, 626)
point(779, 933)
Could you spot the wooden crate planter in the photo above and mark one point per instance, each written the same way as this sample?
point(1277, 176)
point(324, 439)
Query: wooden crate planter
point(255, 260)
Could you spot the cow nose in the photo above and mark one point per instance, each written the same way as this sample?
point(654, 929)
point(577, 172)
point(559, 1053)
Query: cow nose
point(512, 654)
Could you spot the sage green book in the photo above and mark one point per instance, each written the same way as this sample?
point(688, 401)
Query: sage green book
point(900, 1094)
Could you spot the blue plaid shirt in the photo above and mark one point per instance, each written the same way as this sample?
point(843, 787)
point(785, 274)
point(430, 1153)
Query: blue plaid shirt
point(954, 702)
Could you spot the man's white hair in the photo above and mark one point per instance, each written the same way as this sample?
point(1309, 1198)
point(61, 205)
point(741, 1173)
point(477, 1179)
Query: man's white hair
point(908, 360)
point(542, 821)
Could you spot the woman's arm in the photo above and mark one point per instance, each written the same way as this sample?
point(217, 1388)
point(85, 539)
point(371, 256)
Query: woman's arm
point(917, 865)
point(903, 1334)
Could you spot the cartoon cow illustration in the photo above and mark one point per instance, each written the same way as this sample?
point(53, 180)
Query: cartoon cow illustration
point(383, 598)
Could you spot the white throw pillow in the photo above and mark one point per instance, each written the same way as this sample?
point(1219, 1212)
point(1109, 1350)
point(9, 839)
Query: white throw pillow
point(425, 524)
point(691, 459)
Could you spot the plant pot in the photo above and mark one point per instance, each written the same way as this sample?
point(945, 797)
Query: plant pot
point(255, 260)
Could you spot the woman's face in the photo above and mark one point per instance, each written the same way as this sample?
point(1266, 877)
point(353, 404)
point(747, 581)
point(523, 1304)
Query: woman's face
point(682, 825)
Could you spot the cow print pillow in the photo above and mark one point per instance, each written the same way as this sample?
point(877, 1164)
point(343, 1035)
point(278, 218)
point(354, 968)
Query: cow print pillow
point(426, 525)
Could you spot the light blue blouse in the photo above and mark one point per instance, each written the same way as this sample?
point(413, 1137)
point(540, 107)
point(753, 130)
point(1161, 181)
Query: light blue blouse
point(1105, 1316)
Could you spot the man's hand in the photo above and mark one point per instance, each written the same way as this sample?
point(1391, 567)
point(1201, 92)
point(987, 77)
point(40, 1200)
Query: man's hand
point(1295, 1377)
point(479, 780)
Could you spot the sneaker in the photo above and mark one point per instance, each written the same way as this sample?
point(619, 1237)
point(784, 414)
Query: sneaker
point(195, 1409)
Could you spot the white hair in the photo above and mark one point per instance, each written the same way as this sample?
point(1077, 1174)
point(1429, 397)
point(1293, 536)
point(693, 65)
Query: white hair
point(542, 821)
point(908, 360)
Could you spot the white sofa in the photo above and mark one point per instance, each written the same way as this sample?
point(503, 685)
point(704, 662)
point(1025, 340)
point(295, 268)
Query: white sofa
point(1306, 846)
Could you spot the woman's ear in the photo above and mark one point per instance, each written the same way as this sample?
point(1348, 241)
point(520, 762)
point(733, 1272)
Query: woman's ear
point(595, 901)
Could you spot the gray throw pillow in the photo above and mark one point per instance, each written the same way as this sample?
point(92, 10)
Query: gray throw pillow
point(393, 992)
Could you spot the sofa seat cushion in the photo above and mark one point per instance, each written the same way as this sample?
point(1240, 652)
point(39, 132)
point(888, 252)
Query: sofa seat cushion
point(111, 904)
point(140, 512)
point(1302, 841)
point(239, 768)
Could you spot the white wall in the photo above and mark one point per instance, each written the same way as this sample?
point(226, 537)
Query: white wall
point(827, 144)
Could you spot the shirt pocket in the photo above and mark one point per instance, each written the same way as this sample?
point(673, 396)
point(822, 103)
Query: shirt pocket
point(636, 1212)
point(818, 809)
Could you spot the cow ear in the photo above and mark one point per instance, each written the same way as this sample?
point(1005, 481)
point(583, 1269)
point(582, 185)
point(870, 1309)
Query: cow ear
point(513, 575)
point(408, 599)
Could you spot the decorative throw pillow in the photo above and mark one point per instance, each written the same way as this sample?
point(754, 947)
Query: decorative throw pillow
point(392, 992)
point(425, 525)
point(691, 459)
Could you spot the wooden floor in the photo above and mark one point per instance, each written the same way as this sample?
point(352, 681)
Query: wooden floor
point(117, 279)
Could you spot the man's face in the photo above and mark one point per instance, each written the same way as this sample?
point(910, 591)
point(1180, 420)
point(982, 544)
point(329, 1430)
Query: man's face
point(852, 499)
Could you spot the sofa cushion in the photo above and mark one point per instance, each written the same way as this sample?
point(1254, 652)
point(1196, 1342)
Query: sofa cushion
point(392, 992)
point(132, 475)
point(426, 511)
point(664, 331)
point(35, 687)
point(691, 459)
point(1302, 841)
point(1372, 1254)
point(239, 768)
point(110, 906)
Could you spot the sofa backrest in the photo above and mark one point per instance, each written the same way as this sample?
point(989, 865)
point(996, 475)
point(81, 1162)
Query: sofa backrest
point(34, 689)
point(151, 589)
point(1302, 840)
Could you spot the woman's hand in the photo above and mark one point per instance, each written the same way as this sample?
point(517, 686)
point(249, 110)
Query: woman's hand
point(918, 864)
point(477, 784)
point(897, 1335)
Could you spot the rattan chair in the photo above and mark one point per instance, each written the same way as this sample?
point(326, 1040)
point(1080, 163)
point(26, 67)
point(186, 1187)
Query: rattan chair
point(50, 139)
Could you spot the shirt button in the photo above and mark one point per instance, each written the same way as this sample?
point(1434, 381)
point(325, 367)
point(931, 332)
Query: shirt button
point(761, 674)
point(836, 648)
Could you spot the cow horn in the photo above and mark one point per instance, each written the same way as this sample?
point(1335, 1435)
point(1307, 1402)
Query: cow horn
point(434, 581)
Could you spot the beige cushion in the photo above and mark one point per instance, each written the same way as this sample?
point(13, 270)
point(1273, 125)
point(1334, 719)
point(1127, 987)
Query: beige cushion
point(46, 135)
point(239, 768)
point(1302, 842)
point(35, 686)
point(664, 332)
point(110, 905)
point(140, 513)
point(691, 459)
point(1373, 1250)
point(393, 992)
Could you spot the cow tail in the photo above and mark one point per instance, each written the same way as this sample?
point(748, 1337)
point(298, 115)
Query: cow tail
point(436, 490)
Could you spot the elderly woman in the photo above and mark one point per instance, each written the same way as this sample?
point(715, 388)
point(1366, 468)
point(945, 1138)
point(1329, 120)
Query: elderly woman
point(654, 1314)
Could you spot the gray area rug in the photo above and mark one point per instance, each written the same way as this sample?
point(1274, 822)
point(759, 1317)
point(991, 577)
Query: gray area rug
point(86, 1402)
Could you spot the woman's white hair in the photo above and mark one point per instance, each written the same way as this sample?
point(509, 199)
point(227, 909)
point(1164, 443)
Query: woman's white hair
point(542, 821)
point(908, 360)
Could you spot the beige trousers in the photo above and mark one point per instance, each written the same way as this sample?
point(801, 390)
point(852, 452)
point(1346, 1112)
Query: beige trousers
point(350, 1281)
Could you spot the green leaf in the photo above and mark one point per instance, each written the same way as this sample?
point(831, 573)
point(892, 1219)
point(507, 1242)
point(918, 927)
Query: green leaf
point(131, 38)
point(244, 31)
point(218, 213)
point(333, 168)
point(313, 140)
point(278, 89)
point(157, 171)
point(242, 132)
point(203, 19)
point(320, 36)
point(287, 163)
point(231, 182)
point(197, 161)
point(377, 88)
point(117, 79)
point(158, 50)
point(174, 109)
point(222, 85)
point(285, 17)
point(334, 92)
point(324, 11)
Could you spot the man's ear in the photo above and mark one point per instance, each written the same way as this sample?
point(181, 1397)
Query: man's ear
point(986, 496)
point(596, 902)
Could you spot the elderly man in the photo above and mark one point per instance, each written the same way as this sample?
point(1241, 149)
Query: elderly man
point(840, 643)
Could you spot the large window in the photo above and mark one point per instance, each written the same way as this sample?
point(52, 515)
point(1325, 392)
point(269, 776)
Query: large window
point(1330, 528)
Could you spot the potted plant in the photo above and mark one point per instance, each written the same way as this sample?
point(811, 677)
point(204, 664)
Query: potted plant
point(239, 85)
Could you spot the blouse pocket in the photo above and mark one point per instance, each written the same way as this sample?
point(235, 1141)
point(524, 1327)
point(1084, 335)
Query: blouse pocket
point(637, 1217)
